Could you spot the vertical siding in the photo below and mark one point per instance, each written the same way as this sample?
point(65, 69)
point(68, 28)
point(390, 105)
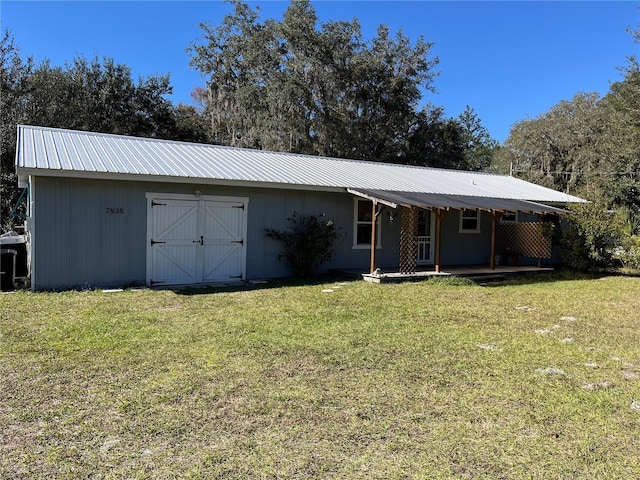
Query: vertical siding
point(81, 243)
point(465, 248)
point(51, 234)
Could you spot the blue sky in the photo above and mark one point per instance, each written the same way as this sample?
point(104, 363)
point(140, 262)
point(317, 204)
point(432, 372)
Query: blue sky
point(508, 60)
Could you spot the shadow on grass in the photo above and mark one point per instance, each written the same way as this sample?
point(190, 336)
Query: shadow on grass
point(522, 279)
point(254, 285)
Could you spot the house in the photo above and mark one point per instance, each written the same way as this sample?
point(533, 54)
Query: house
point(110, 210)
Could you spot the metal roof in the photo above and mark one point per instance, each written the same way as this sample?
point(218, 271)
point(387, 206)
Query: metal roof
point(58, 152)
point(431, 200)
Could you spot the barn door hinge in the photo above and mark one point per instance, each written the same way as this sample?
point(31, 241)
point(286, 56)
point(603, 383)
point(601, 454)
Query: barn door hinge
point(153, 242)
point(237, 276)
point(241, 242)
point(155, 282)
point(239, 206)
point(155, 204)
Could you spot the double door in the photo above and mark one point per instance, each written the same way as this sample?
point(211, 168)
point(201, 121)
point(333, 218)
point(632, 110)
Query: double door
point(195, 240)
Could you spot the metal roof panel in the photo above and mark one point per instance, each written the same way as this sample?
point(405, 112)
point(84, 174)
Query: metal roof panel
point(435, 200)
point(59, 152)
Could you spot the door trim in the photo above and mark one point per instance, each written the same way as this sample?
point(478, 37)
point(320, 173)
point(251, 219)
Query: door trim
point(156, 196)
point(432, 242)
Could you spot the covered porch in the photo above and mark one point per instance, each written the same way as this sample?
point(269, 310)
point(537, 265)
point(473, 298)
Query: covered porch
point(508, 242)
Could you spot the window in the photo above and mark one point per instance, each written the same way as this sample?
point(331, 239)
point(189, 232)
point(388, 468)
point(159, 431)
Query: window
point(509, 217)
point(469, 221)
point(362, 225)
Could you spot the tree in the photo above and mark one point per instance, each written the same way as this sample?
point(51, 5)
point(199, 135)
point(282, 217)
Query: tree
point(587, 141)
point(105, 99)
point(561, 148)
point(190, 125)
point(298, 85)
point(235, 54)
point(435, 141)
point(91, 95)
point(478, 145)
point(14, 73)
point(621, 171)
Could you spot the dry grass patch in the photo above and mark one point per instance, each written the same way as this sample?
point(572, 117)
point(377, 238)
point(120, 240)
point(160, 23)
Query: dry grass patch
point(419, 380)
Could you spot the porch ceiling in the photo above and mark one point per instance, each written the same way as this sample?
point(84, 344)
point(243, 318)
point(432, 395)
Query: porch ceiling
point(457, 202)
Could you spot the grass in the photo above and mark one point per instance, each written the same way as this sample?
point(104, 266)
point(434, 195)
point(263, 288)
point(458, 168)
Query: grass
point(529, 379)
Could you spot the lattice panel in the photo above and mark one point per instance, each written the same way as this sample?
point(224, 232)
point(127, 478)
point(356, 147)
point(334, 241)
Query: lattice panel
point(523, 238)
point(409, 240)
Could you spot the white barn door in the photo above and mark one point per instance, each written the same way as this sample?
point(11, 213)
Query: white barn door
point(173, 245)
point(224, 228)
point(195, 239)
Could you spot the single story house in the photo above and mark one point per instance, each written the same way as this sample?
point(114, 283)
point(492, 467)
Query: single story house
point(110, 210)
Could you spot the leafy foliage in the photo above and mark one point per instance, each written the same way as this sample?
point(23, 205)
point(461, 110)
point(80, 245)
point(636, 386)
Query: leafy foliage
point(629, 253)
point(307, 244)
point(320, 88)
point(594, 236)
point(14, 75)
point(478, 145)
point(91, 95)
point(560, 147)
point(588, 144)
point(587, 141)
point(303, 86)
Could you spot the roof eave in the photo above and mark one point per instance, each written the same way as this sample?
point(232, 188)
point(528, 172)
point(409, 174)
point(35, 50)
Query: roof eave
point(25, 172)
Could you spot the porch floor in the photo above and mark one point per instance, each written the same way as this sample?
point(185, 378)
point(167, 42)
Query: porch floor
point(474, 272)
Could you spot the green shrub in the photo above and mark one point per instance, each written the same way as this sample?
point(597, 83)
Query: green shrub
point(307, 243)
point(629, 253)
point(595, 234)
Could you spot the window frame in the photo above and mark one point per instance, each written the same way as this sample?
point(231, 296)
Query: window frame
point(515, 217)
point(357, 222)
point(463, 217)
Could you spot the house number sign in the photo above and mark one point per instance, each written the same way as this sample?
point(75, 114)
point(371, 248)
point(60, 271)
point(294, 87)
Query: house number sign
point(114, 210)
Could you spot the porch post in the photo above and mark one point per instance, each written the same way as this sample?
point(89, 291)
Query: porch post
point(495, 218)
point(439, 216)
point(374, 214)
point(540, 240)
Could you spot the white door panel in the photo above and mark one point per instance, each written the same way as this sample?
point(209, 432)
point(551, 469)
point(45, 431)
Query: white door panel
point(195, 240)
point(223, 241)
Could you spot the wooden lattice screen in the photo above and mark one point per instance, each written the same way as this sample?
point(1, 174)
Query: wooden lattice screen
point(409, 240)
point(523, 239)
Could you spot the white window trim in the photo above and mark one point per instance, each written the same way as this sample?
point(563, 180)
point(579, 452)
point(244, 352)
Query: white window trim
point(509, 221)
point(365, 246)
point(478, 221)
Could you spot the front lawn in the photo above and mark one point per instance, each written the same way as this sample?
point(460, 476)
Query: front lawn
point(531, 379)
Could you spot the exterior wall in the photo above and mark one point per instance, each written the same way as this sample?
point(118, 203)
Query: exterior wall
point(465, 248)
point(93, 233)
point(475, 248)
point(78, 241)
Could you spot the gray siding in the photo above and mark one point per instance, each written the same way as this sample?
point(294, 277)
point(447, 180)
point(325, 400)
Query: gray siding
point(465, 248)
point(80, 242)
